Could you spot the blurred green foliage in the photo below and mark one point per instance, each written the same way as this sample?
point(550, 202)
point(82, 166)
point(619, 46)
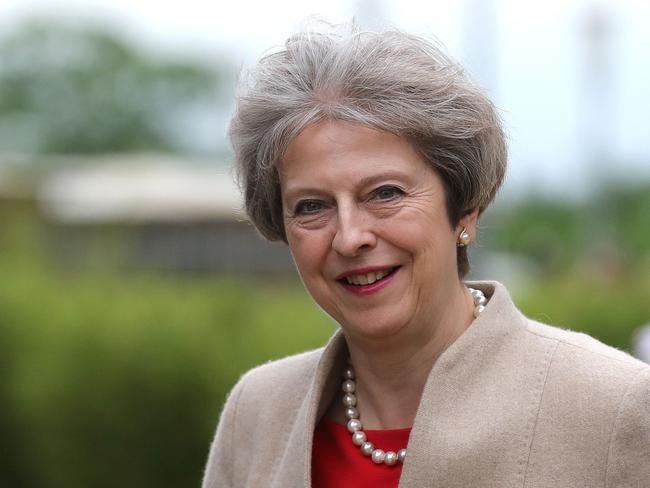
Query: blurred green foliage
point(71, 90)
point(609, 232)
point(117, 379)
point(628, 207)
point(549, 233)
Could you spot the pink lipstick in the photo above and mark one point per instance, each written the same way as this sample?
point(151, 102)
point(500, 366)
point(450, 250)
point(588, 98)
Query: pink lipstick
point(356, 281)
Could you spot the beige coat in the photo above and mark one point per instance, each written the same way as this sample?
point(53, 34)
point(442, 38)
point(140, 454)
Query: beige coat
point(511, 403)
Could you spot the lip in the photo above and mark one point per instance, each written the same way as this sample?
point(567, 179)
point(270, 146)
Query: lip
point(369, 269)
point(363, 290)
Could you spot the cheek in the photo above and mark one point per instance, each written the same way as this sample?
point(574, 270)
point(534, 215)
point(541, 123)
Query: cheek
point(430, 241)
point(417, 229)
point(307, 248)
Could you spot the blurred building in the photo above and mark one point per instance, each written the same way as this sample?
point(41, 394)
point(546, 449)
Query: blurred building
point(149, 212)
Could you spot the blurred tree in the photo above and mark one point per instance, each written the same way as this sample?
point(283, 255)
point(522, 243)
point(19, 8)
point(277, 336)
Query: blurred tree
point(608, 231)
point(549, 233)
point(630, 209)
point(70, 90)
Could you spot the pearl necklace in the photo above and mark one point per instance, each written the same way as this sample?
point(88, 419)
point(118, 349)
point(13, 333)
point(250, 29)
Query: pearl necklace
point(354, 425)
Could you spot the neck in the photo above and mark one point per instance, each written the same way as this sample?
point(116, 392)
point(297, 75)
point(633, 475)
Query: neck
point(391, 372)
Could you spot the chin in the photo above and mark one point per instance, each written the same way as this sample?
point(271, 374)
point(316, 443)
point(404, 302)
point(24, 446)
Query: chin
point(373, 329)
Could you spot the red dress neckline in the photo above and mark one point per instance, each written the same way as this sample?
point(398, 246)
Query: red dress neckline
point(337, 463)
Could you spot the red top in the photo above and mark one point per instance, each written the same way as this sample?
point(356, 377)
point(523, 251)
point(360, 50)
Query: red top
point(337, 463)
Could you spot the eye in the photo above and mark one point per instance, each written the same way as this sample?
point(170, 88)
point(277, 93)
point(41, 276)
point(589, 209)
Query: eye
point(387, 192)
point(308, 207)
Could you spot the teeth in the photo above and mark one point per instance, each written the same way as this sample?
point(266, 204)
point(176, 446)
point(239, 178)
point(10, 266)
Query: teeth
point(366, 279)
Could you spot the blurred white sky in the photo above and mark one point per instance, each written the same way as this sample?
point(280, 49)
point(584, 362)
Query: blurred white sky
point(559, 109)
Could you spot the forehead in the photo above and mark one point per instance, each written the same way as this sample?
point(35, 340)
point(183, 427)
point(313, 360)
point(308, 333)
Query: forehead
point(344, 149)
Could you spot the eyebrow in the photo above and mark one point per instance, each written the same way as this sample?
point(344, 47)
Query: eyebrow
point(386, 175)
point(296, 192)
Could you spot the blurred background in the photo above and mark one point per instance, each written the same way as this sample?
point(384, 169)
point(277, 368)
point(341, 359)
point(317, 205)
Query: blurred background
point(133, 293)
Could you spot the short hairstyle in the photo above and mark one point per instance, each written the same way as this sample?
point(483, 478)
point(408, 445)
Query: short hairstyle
point(390, 81)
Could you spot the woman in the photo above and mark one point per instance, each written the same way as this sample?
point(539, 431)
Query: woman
point(372, 156)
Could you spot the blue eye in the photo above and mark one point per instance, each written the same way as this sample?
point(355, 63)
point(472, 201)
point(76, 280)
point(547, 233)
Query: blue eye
point(307, 207)
point(388, 192)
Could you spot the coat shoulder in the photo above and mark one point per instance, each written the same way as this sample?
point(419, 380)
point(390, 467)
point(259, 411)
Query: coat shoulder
point(583, 367)
point(594, 410)
point(290, 374)
point(585, 348)
point(256, 417)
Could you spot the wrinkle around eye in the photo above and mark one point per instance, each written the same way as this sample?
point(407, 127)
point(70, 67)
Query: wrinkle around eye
point(309, 220)
point(385, 207)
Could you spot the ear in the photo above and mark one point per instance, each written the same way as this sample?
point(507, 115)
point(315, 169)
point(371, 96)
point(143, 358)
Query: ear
point(468, 221)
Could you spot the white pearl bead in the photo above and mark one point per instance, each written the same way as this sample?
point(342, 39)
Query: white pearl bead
point(391, 458)
point(367, 448)
point(476, 293)
point(351, 413)
point(378, 456)
point(358, 438)
point(349, 386)
point(478, 310)
point(354, 425)
point(349, 400)
point(348, 373)
point(480, 301)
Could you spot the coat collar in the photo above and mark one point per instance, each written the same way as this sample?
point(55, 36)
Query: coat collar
point(471, 373)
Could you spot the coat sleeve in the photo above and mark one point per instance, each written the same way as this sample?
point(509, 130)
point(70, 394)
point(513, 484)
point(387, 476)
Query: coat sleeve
point(219, 471)
point(628, 464)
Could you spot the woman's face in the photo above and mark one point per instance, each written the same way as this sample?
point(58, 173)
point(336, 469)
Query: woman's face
point(367, 226)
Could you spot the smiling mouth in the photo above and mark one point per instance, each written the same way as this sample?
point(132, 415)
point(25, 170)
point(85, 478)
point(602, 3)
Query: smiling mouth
point(368, 278)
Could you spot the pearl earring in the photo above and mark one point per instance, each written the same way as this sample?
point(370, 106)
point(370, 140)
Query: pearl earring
point(464, 238)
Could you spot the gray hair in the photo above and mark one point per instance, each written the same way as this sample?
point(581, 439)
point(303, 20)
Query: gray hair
point(390, 81)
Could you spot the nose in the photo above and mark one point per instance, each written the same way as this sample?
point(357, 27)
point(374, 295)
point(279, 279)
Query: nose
point(354, 232)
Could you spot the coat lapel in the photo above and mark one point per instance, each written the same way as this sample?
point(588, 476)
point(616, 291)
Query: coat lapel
point(294, 468)
point(477, 414)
